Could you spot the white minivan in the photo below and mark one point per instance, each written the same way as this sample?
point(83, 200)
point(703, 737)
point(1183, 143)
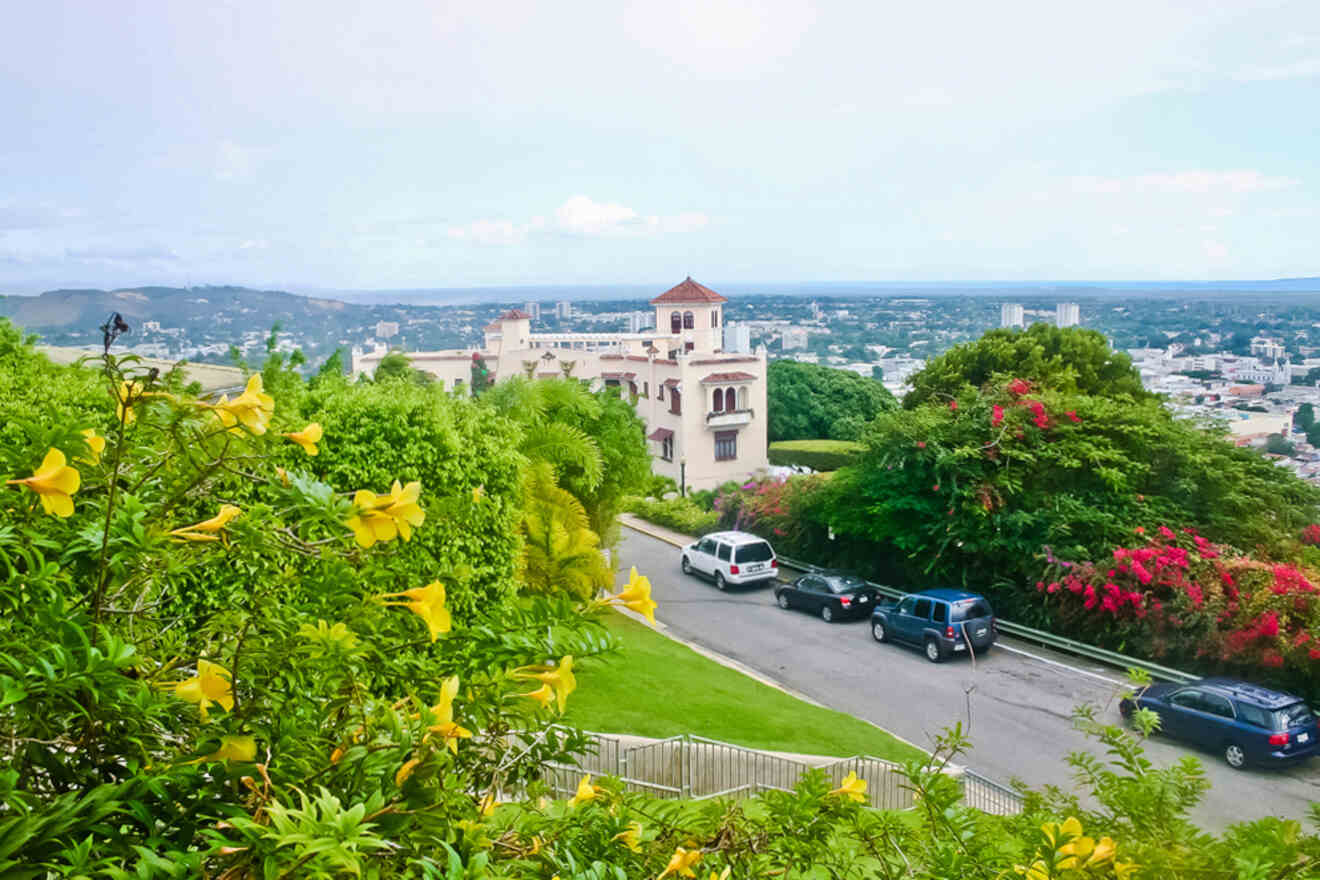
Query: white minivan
point(731, 558)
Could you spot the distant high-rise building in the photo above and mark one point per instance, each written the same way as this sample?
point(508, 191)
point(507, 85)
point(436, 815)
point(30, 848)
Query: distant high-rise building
point(1010, 315)
point(795, 337)
point(737, 338)
point(386, 329)
point(639, 321)
point(533, 309)
point(1270, 349)
point(563, 310)
point(1067, 315)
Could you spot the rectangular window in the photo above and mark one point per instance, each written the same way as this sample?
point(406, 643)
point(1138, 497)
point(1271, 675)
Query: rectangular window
point(941, 613)
point(646, 389)
point(726, 445)
point(714, 319)
point(922, 609)
point(667, 449)
point(659, 392)
point(675, 402)
point(725, 550)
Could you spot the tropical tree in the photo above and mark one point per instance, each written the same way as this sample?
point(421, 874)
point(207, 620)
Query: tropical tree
point(561, 554)
point(811, 402)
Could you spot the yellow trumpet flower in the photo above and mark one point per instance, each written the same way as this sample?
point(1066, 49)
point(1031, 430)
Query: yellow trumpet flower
point(307, 438)
point(443, 711)
point(211, 685)
point(206, 529)
point(852, 788)
point(54, 482)
point(478, 493)
point(585, 792)
point(544, 695)
point(95, 443)
point(381, 517)
point(636, 596)
point(402, 774)
point(1103, 852)
point(234, 748)
point(428, 603)
point(560, 678)
point(630, 836)
point(252, 409)
point(128, 393)
point(680, 863)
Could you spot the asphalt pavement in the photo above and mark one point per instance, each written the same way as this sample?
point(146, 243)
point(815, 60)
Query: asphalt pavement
point(1016, 702)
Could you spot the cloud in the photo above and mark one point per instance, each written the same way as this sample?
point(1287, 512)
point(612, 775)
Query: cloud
point(1192, 181)
point(489, 232)
point(581, 216)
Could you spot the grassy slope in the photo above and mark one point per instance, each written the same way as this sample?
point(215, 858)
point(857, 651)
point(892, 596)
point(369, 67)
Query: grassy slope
point(657, 687)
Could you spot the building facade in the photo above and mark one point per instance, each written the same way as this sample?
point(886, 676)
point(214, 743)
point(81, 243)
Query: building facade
point(563, 310)
point(704, 407)
point(533, 309)
point(795, 337)
point(1010, 315)
point(737, 339)
point(1067, 315)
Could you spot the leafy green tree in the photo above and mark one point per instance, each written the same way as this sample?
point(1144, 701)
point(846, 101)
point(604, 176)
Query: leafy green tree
point(394, 365)
point(480, 378)
point(1069, 359)
point(1305, 417)
point(810, 402)
point(1277, 444)
point(561, 554)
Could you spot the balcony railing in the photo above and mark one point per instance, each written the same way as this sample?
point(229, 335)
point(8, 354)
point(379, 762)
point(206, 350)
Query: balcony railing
point(729, 418)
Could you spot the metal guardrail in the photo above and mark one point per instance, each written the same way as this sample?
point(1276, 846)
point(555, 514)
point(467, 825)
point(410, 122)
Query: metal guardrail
point(988, 796)
point(1041, 637)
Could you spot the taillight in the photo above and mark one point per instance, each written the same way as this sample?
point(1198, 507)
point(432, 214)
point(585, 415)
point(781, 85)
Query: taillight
point(948, 632)
point(1278, 739)
point(845, 601)
point(774, 563)
point(733, 569)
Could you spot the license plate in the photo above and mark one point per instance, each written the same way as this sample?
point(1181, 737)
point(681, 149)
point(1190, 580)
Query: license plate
point(756, 566)
point(980, 632)
point(1303, 737)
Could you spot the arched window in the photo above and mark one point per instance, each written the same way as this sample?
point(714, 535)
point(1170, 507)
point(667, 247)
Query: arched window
point(689, 321)
point(730, 399)
point(675, 322)
point(719, 400)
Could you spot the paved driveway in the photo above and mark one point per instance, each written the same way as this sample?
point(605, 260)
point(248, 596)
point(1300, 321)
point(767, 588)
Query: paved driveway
point(1016, 702)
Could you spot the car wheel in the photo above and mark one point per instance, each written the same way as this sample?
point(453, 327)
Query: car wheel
point(1235, 756)
point(687, 566)
point(933, 652)
point(878, 631)
point(782, 598)
point(719, 581)
point(827, 613)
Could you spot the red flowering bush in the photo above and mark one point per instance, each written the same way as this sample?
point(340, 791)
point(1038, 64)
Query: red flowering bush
point(1311, 535)
point(1177, 597)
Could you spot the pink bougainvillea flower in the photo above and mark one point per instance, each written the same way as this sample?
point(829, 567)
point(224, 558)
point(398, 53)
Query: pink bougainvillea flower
point(1072, 415)
point(1019, 387)
point(953, 405)
point(921, 444)
point(996, 416)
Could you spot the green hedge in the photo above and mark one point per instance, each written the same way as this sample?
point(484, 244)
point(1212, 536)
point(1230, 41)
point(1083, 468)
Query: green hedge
point(679, 514)
point(819, 455)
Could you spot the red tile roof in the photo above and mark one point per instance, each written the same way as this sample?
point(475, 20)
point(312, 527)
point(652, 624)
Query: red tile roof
point(727, 377)
point(660, 434)
point(672, 383)
point(514, 315)
point(611, 375)
point(727, 360)
point(493, 325)
point(688, 291)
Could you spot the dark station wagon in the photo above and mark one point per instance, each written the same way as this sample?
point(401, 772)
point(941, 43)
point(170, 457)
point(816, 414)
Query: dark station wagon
point(943, 622)
point(1244, 722)
point(834, 595)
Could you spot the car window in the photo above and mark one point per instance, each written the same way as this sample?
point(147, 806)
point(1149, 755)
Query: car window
point(758, 552)
point(1255, 715)
point(1216, 705)
point(922, 609)
point(971, 609)
point(1188, 699)
point(818, 585)
point(724, 552)
point(845, 584)
point(707, 545)
point(1293, 716)
point(941, 614)
point(905, 606)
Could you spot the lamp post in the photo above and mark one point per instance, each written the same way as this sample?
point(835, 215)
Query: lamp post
point(682, 476)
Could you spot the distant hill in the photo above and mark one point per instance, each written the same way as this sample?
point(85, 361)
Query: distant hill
point(171, 306)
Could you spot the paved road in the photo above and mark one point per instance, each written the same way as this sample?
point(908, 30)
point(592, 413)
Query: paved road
point(1017, 706)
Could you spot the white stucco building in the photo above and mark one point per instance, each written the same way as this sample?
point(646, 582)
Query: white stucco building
point(705, 409)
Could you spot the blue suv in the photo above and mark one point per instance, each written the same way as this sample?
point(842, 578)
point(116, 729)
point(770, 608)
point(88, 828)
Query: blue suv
point(943, 622)
point(1245, 723)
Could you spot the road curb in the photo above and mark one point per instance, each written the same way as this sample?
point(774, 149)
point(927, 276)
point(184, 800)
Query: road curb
point(735, 665)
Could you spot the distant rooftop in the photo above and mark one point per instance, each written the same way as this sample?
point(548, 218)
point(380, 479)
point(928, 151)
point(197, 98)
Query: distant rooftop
point(688, 291)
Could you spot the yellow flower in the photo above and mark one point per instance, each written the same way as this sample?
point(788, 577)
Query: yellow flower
point(129, 392)
point(401, 776)
point(54, 482)
point(1104, 851)
point(723, 875)
point(1071, 827)
point(234, 748)
point(252, 409)
point(307, 438)
point(381, 517)
point(536, 845)
point(681, 863)
point(629, 837)
point(852, 788)
point(478, 493)
point(443, 711)
point(204, 530)
point(487, 805)
point(544, 695)
point(210, 685)
point(560, 678)
point(428, 603)
point(336, 755)
point(585, 792)
point(636, 596)
point(94, 443)
point(283, 475)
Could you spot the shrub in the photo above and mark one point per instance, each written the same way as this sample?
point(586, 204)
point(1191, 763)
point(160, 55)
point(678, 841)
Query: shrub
point(679, 514)
point(819, 455)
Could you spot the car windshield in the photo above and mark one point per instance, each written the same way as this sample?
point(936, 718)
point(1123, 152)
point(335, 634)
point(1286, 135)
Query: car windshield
point(1292, 716)
point(845, 583)
point(971, 609)
point(758, 552)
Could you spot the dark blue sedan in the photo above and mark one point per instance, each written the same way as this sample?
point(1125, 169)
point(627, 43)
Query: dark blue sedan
point(1245, 723)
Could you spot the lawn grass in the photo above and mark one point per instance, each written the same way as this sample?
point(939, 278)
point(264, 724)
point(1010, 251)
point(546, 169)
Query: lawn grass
point(657, 687)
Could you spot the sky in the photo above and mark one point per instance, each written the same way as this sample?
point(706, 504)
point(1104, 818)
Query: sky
point(341, 145)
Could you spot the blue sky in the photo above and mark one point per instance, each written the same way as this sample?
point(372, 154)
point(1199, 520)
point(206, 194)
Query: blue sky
point(436, 144)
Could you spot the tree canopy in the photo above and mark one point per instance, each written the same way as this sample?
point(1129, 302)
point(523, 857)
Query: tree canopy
point(810, 402)
point(1070, 359)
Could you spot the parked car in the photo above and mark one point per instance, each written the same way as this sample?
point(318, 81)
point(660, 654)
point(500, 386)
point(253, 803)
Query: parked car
point(738, 558)
point(832, 594)
point(1244, 722)
point(944, 622)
